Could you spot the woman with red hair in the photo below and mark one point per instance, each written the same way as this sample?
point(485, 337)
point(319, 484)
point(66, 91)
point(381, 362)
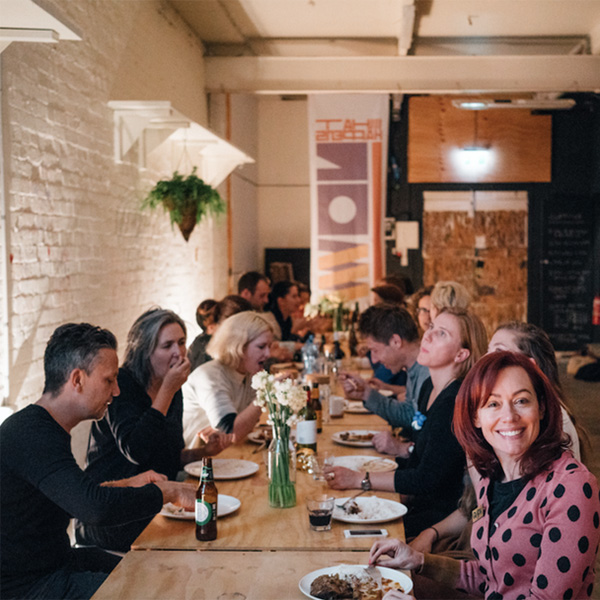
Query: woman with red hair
point(536, 526)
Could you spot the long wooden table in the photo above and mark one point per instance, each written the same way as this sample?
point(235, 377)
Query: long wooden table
point(217, 575)
point(260, 552)
point(257, 526)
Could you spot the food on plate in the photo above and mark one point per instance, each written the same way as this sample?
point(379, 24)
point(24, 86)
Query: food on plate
point(352, 508)
point(263, 435)
point(351, 583)
point(331, 587)
point(174, 509)
point(369, 509)
point(353, 436)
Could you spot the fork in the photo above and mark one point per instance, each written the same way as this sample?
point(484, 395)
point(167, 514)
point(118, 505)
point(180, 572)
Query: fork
point(343, 506)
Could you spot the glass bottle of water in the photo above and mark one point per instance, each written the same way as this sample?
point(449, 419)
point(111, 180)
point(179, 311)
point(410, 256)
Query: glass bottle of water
point(310, 355)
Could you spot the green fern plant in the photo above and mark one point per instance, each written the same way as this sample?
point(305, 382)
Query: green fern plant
point(187, 200)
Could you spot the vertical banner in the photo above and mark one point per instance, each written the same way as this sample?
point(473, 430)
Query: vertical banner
point(348, 136)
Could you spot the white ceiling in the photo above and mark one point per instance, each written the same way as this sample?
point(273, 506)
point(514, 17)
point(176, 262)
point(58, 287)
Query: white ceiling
point(398, 46)
point(334, 45)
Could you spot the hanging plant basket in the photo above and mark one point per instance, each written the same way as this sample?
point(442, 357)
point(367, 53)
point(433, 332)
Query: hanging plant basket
point(187, 200)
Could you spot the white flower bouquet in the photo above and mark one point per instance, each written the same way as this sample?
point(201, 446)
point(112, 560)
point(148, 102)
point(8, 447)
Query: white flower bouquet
point(282, 400)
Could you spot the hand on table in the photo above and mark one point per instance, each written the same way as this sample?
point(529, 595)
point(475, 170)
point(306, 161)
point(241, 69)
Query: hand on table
point(341, 478)
point(385, 443)
point(181, 494)
point(215, 441)
point(354, 387)
point(139, 480)
point(401, 555)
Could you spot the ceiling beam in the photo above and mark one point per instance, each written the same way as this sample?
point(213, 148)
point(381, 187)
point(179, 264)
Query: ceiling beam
point(411, 74)
point(405, 35)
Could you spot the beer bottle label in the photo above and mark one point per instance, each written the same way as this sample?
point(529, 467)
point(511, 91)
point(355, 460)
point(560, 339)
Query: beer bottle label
point(204, 512)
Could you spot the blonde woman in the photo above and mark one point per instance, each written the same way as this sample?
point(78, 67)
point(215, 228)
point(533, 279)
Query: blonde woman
point(431, 467)
point(448, 294)
point(219, 391)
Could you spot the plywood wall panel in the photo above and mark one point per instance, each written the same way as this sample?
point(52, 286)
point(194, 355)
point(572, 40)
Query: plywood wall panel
point(520, 143)
point(505, 229)
point(495, 273)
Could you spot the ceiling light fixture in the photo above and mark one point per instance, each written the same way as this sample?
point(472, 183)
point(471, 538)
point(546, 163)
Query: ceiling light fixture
point(475, 159)
point(531, 103)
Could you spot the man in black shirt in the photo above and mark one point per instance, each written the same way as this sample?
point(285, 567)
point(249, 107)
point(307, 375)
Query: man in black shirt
point(43, 487)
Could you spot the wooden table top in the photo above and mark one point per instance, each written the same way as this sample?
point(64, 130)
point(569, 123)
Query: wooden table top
point(217, 575)
point(257, 526)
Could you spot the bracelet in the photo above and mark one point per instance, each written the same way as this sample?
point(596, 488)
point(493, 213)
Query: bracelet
point(437, 533)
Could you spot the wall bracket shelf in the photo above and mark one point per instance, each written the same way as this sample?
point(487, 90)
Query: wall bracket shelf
point(156, 127)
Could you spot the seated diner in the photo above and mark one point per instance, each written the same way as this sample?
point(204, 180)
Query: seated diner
point(536, 527)
point(430, 471)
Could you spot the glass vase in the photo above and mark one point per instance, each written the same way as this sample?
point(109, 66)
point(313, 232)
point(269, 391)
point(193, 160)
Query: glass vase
point(282, 469)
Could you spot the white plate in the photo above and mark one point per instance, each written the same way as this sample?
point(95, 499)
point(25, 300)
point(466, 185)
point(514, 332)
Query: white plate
point(404, 580)
point(337, 437)
point(224, 468)
point(395, 510)
point(225, 506)
point(374, 464)
point(355, 407)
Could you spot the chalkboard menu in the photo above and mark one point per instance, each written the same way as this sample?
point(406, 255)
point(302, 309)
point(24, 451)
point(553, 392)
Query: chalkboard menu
point(567, 271)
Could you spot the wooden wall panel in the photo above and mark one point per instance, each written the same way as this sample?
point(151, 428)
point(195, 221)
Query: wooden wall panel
point(495, 276)
point(521, 143)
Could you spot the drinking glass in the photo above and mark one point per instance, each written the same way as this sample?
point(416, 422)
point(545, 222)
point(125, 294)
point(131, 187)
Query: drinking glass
point(320, 509)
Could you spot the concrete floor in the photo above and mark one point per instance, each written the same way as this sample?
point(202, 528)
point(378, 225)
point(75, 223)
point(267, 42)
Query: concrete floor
point(585, 400)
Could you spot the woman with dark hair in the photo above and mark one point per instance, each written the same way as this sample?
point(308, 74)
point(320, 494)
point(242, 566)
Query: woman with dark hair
point(536, 527)
point(387, 293)
point(142, 429)
point(284, 301)
point(532, 341)
point(451, 536)
point(205, 317)
point(420, 303)
point(210, 321)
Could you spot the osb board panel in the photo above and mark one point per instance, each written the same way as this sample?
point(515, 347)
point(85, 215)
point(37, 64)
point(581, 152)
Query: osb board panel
point(496, 275)
point(448, 230)
point(521, 143)
point(503, 228)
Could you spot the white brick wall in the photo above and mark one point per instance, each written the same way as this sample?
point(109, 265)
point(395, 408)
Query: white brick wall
point(82, 249)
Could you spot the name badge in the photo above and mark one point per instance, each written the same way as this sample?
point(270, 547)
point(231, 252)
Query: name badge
point(477, 514)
